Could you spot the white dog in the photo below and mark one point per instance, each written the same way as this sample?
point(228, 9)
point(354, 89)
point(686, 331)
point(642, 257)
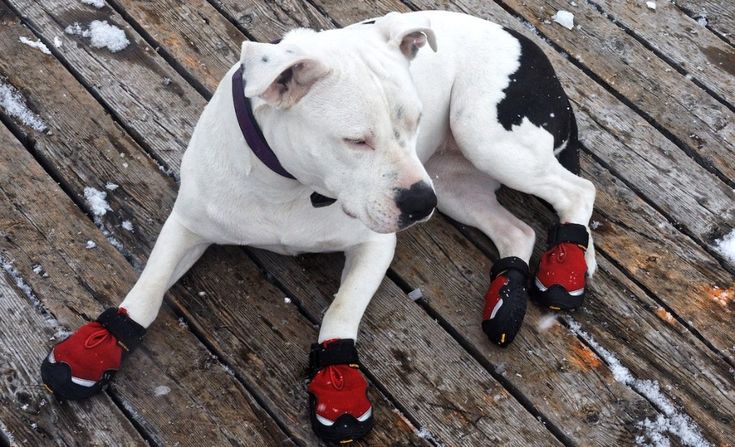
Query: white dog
point(362, 136)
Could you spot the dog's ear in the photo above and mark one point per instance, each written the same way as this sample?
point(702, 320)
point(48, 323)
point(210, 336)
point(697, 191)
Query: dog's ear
point(407, 32)
point(279, 74)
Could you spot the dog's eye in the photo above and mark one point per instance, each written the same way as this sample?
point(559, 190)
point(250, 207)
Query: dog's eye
point(359, 142)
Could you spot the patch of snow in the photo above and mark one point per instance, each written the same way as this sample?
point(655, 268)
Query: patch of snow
point(57, 42)
point(101, 34)
point(702, 21)
point(61, 334)
point(10, 269)
point(161, 390)
point(7, 434)
point(202, 293)
point(37, 44)
point(182, 323)
point(96, 3)
point(546, 322)
point(424, 433)
point(671, 421)
point(96, 201)
point(726, 246)
point(415, 294)
point(15, 105)
point(595, 224)
point(287, 300)
point(564, 18)
point(107, 36)
point(111, 186)
point(227, 369)
point(127, 225)
point(651, 5)
point(37, 269)
point(90, 245)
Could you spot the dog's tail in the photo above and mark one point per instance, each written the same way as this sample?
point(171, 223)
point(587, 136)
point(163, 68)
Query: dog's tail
point(569, 156)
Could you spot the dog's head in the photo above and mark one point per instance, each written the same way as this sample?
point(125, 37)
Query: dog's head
point(340, 109)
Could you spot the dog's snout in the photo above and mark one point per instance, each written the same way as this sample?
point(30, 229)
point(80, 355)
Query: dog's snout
point(415, 203)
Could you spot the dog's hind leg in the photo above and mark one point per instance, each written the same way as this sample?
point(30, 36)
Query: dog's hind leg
point(85, 362)
point(339, 406)
point(523, 159)
point(467, 195)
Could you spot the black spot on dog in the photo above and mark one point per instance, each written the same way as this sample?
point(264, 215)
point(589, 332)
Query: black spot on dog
point(264, 59)
point(534, 92)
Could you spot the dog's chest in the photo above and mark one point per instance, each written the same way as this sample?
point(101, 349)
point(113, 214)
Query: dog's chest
point(290, 227)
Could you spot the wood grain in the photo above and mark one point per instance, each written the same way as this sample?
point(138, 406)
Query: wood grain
point(720, 15)
point(26, 411)
point(273, 18)
point(67, 151)
point(453, 277)
point(80, 282)
point(684, 41)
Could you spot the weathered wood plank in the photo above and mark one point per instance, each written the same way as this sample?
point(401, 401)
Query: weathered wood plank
point(720, 15)
point(78, 285)
point(691, 115)
point(25, 336)
point(453, 397)
point(193, 33)
point(81, 159)
point(680, 38)
point(113, 72)
point(273, 18)
point(447, 271)
point(524, 430)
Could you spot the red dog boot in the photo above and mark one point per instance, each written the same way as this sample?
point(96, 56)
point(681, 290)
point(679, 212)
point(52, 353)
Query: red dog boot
point(506, 300)
point(339, 408)
point(84, 363)
point(562, 272)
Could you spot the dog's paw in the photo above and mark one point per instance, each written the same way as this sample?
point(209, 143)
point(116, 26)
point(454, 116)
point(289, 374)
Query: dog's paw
point(561, 280)
point(506, 300)
point(338, 404)
point(83, 364)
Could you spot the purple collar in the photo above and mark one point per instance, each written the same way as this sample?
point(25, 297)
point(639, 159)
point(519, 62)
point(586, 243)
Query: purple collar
point(254, 136)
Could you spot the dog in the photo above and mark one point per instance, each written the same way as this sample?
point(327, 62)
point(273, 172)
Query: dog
point(337, 140)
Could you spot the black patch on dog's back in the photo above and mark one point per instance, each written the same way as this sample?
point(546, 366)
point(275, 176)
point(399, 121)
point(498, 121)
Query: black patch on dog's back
point(535, 93)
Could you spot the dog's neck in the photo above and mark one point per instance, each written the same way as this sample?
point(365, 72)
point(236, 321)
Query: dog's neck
point(255, 139)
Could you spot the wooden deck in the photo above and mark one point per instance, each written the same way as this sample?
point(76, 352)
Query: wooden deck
point(649, 360)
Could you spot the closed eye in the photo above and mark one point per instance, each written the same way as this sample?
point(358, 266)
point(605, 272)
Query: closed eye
point(358, 143)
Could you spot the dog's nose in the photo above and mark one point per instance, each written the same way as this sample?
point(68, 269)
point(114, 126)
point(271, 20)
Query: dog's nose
point(415, 203)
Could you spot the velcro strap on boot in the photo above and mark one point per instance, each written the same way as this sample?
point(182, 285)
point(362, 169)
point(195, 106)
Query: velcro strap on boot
point(509, 263)
point(569, 232)
point(338, 352)
point(128, 333)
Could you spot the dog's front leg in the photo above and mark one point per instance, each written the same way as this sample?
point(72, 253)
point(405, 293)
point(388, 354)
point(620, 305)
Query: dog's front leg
point(176, 250)
point(365, 266)
point(339, 407)
point(84, 363)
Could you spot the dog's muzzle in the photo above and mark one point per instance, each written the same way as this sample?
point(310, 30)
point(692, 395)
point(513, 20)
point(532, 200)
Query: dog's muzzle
point(415, 203)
